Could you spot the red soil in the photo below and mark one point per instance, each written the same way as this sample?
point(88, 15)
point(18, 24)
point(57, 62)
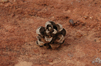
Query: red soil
point(19, 20)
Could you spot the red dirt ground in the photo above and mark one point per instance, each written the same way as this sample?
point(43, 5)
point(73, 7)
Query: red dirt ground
point(19, 20)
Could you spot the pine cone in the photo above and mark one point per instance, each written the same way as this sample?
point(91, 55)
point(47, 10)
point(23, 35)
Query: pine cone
point(50, 36)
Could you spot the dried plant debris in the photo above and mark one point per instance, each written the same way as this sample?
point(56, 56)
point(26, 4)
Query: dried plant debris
point(50, 36)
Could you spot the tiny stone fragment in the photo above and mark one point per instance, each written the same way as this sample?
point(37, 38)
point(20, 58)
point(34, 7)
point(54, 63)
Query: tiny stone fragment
point(71, 22)
point(85, 17)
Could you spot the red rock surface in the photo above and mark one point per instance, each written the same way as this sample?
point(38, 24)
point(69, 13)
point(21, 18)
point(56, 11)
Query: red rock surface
point(19, 20)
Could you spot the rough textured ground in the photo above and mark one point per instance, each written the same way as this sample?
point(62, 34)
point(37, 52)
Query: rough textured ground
point(19, 20)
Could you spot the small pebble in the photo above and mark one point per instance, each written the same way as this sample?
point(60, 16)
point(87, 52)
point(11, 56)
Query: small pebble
point(85, 17)
point(91, 17)
point(71, 22)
